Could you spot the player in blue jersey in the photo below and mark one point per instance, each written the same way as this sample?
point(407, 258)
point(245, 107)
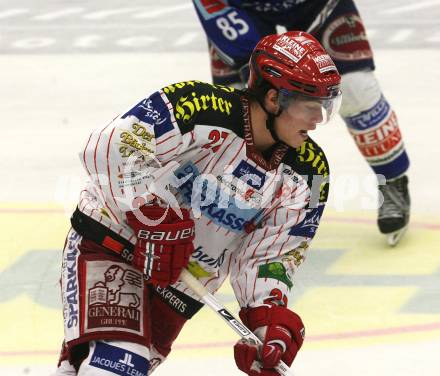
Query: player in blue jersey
point(233, 28)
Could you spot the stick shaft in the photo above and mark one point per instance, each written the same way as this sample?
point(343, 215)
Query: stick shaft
point(203, 293)
point(227, 316)
point(322, 16)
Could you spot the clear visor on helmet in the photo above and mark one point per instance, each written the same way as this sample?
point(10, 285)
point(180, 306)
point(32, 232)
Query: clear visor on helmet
point(310, 109)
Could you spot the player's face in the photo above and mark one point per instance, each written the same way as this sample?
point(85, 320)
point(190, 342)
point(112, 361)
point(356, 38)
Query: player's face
point(299, 118)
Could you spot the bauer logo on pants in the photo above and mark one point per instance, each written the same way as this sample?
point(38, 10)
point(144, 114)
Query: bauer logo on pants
point(114, 297)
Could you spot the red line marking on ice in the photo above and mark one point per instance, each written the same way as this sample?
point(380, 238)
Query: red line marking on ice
point(313, 338)
point(348, 220)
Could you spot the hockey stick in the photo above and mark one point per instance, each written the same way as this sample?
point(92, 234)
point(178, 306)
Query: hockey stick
point(215, 305)
point(227, 316)
point(322, 16)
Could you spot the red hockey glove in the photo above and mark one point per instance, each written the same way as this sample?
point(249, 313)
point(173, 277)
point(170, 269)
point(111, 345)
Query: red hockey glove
point(282, 334)
point(164, 249)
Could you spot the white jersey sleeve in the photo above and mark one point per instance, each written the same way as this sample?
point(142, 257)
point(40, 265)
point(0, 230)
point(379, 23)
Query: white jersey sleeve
point(123, 157)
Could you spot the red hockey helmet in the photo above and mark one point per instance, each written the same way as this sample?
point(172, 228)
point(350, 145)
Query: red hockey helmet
point(296, 64)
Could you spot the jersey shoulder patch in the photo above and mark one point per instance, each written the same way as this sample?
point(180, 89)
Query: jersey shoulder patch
point(199, 103)
point(309, 160)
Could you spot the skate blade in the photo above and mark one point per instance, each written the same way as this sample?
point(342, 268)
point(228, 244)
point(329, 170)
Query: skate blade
point(394, 237)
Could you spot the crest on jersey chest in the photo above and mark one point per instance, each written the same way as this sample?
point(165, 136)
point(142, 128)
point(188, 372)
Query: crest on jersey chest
point(250, 175)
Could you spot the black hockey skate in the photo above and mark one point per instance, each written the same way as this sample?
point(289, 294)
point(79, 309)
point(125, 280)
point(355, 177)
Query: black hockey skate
point(394, 212)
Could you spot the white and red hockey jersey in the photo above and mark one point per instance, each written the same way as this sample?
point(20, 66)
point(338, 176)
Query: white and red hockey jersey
point(255, 214)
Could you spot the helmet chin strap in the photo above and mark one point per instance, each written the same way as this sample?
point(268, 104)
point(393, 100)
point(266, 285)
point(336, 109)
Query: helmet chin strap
point(270, 121)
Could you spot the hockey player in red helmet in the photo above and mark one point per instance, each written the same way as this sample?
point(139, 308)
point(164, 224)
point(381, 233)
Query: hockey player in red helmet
point(295, 69)
point(244, 207)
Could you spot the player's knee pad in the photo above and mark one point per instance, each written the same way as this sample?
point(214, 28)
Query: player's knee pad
point(115, 358)
point(360, 92)
point(373, 124)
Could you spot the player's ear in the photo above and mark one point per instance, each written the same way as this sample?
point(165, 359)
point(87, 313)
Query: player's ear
point(271, 101)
